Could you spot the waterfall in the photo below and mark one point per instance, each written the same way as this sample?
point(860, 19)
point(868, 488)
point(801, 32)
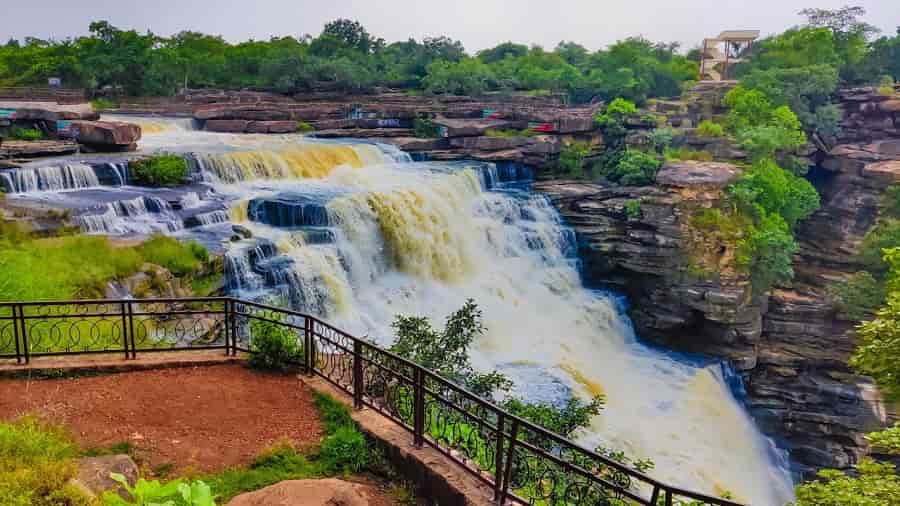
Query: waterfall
point(139, 215)
point(357, 234)
point(49, 178)
point(310, 161)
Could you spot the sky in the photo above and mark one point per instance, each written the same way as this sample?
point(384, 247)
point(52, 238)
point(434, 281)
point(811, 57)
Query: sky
point(477, 23)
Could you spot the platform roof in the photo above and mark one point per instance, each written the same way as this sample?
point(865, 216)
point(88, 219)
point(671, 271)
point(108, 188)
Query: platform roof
point(738, 35)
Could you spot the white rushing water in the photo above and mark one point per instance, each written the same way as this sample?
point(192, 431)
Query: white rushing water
point(359, 234)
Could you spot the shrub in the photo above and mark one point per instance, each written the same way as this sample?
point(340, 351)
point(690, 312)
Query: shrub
point(709, 128)
point(686, 153)
point(886, 441)
point(344, 451)
point(159, 170)
point(874, 483)
point(274, 346)
point(424, 128)
point(634, 168)
point(36, 463)
point(154, 493)
point(890, 202)
point(178, 257)
point(491, 132)
point(856, 297)
point(885, 234)
point(775, 190)
point(27, 134)
point(633, 208)
point(304, 127)
point(572, 155)
point(661, 139)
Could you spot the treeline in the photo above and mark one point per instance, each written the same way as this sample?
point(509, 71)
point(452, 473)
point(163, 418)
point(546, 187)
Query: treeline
point(345, 56)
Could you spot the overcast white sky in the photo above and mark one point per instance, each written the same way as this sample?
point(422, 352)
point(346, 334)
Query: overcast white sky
point(477, 23)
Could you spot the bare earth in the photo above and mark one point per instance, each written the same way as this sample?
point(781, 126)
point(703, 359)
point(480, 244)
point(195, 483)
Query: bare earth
point(201, 418)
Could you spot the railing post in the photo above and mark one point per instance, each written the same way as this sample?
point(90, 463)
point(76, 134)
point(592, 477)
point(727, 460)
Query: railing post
point(498, 457)
point(418, 407)
point(654, 498)
point(357, 374)
point(668, 497)
point(25, 350)
point(125, 329)
point(131, 329)
point(15, 323)
point(308, 345)
point(227, 324)
point(234, 328)
point(507, 472)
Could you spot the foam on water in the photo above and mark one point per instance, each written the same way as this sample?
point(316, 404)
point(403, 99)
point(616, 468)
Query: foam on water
point(421, 238)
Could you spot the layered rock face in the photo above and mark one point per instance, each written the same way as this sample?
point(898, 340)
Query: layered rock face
point(789, 347)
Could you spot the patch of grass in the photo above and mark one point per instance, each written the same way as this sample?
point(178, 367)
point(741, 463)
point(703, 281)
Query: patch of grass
point(304, 127)
point(333, 412)
point(424, 128)
point(278, 463)
point(27, 134)
point(104, 104)
point(122, 447)
point(163, 470)
point(686, 153)
point(491, 132)
point(178, 257)
point(633, 209)
point(36, 463)
point(709, 128)
point(159, 170)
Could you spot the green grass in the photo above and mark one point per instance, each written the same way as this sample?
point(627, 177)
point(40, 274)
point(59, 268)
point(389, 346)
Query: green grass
point(304, 127)
point(491, 132)
point(178, 257)
point(709, 128)
point(686, 153)
point(27, 134)
point(339, 455)
point(159, 170)
point(103, 104)
point(36, 462)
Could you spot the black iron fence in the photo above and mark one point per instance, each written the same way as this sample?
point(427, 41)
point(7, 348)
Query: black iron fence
point(522, 462)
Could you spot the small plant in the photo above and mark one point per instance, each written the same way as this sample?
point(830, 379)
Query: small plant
point(633, 168)
point(275, 347)
point(709, 128)
point(856, 297)
point(154, 493)
point(179, 258)
point(661, 139)
point(304, 127)
point(572, 155)
point(424, 128)
point(633, 209)
point(491, 132)
point(27, 134)
point(344, 451)
point(159, 170)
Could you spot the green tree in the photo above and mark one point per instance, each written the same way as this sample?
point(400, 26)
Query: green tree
point(468, 76)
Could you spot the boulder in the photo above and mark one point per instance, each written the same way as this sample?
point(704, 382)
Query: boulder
point(107, 135)
point(327, 492)
point(692, 173)
point(254, 112)
point(93, 474)
point(227, 125)
point(892, 105)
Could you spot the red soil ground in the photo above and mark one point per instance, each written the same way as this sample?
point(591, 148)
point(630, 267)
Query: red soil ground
point(201, 418)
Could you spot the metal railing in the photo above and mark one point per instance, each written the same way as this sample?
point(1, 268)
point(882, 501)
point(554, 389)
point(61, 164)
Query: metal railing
point(520, 461)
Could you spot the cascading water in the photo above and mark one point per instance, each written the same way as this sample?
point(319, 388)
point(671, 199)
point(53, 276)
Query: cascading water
point(358, 233)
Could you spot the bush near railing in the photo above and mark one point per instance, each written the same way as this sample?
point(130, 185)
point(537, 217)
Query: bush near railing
point(521, 461)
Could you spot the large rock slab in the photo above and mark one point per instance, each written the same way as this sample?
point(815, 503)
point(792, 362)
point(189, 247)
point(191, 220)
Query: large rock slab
point(692, 173)
point(107, 135)
point(245, 112)
point(235, 126)
point(326, 492)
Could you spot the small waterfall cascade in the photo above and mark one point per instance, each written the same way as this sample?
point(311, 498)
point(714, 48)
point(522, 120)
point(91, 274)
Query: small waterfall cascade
point(139, 215)
point(358, 233)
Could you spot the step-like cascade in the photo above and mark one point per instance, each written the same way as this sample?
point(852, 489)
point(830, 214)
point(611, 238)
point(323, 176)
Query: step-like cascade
point(139, 215)
point(358, 233)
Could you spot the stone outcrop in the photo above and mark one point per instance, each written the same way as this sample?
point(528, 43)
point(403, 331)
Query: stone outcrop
point(868, 115)
point(93, 474)
point(789, 347)
point(324, 492)
point(107, 135)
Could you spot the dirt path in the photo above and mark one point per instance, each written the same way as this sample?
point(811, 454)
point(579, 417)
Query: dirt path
point(204, 418)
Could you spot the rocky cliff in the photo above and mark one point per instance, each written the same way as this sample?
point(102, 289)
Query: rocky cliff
point(789, 346)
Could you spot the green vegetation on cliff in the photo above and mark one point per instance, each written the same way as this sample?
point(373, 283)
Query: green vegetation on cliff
point(159, 170)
